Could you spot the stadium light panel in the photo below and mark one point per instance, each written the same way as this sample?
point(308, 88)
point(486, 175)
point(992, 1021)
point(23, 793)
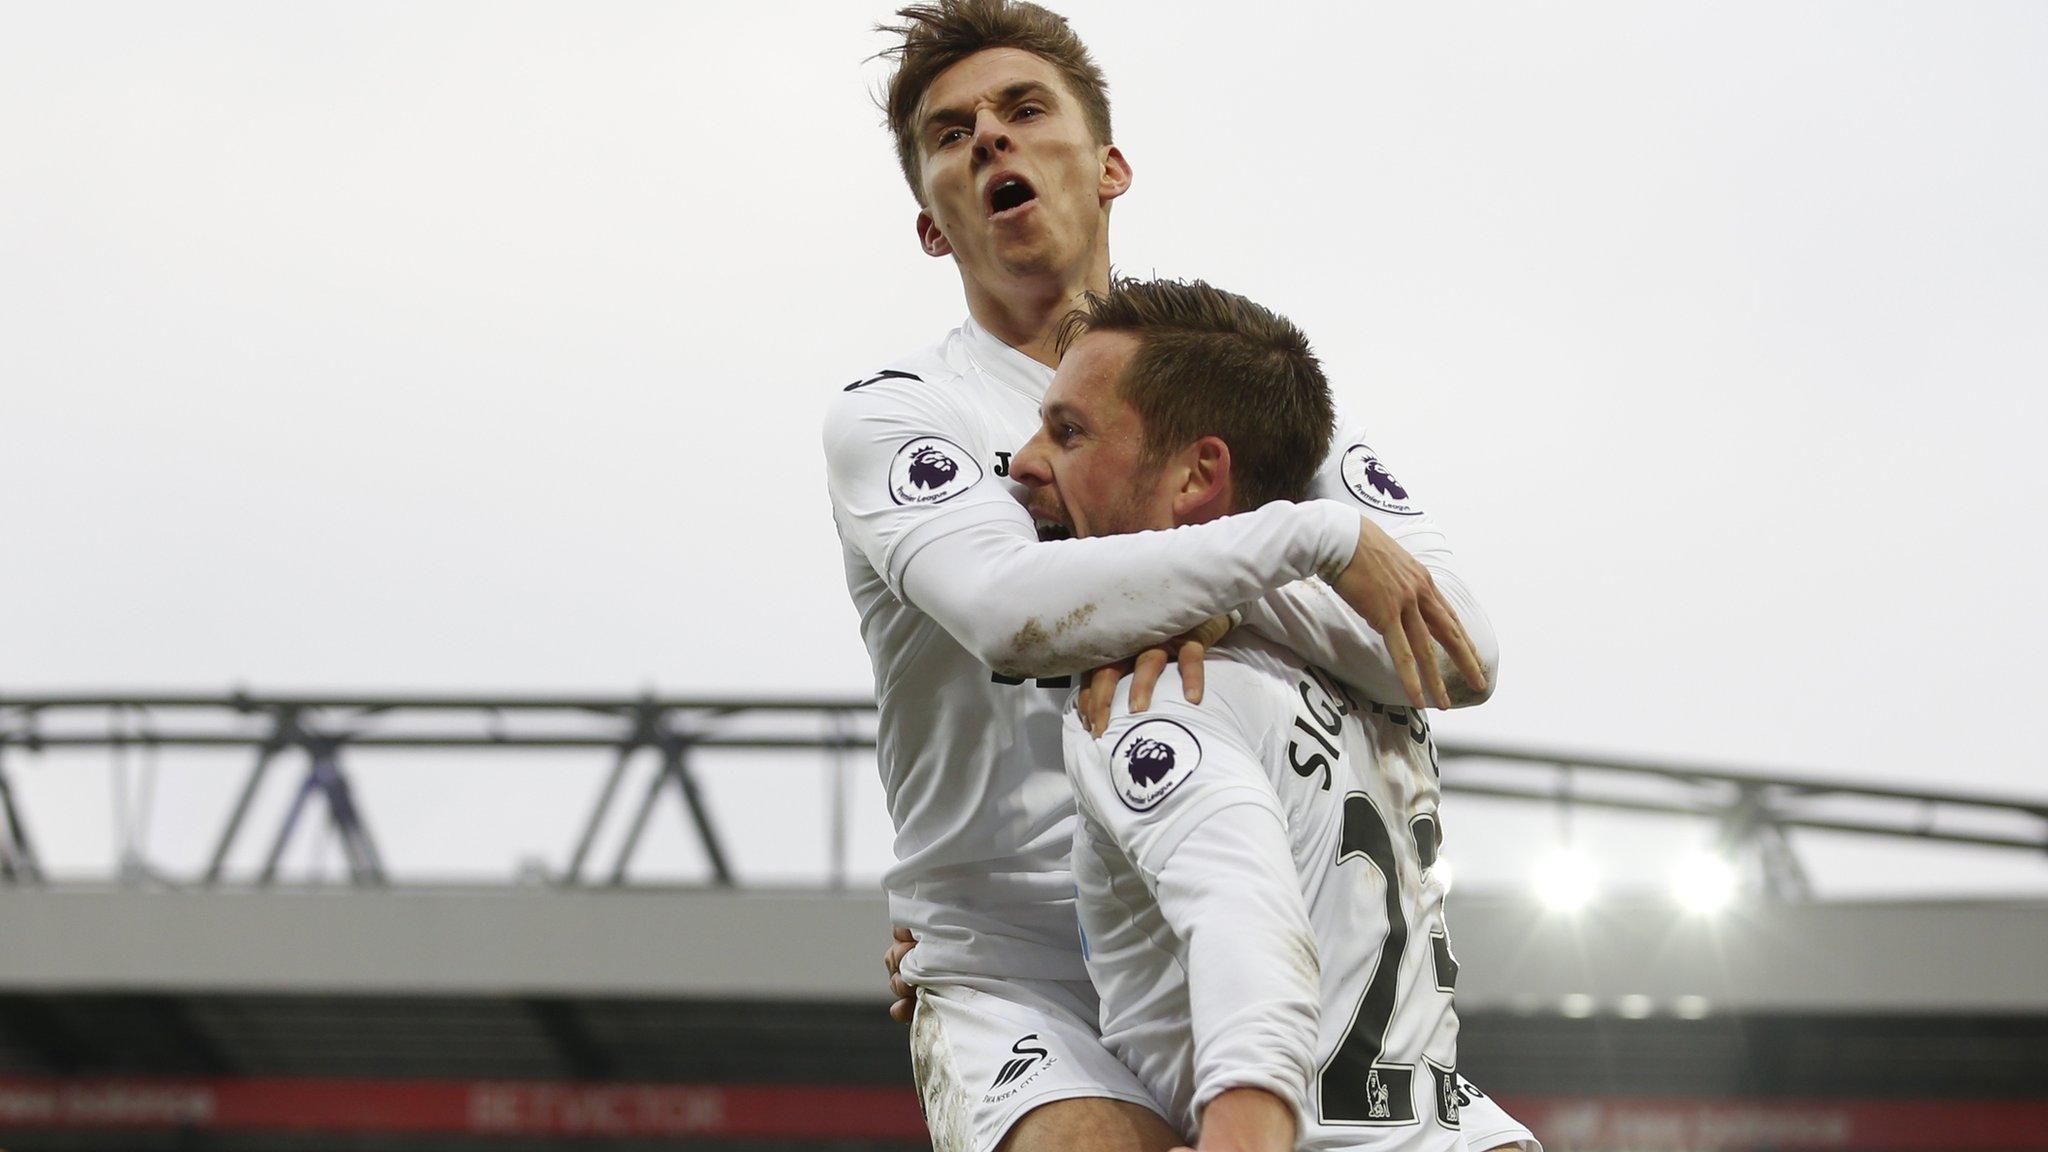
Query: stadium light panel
point(1566, 880)
point(1705, 883)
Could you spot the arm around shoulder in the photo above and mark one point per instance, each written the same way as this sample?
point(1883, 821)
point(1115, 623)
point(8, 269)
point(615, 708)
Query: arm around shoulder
point(1031, 608)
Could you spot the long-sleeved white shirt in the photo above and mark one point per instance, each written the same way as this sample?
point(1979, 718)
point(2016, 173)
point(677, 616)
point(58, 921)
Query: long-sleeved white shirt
point(961, 606)
point(1256, 885)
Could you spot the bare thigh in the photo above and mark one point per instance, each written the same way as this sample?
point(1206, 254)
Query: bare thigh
point(1090, 1124)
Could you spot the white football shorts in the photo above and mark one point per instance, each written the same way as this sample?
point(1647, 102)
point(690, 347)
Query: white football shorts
point(987, 1051)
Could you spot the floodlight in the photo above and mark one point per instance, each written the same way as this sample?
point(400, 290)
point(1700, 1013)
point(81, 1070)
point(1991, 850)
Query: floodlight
point(1566, 880)
point(1705, 883)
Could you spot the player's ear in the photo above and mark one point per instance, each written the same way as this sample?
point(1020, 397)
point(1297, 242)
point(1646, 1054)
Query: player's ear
point(929, 237)
point(1205, 485)
point(1116, 174)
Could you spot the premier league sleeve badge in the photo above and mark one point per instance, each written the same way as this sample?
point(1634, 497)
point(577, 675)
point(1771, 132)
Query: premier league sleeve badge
point(931, 470)
point(1368, 479)
point(1152, 760)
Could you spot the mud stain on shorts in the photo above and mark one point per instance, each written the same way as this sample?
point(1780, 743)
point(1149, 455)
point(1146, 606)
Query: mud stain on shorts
point(947, 1113)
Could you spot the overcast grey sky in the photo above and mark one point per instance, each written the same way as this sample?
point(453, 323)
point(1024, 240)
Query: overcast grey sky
point(411, 346)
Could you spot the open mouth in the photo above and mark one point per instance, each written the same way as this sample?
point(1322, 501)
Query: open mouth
point(1053, 530)
point(1008, 193)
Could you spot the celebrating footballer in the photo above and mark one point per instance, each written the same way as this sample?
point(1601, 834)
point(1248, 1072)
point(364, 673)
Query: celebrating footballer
point(979, 616)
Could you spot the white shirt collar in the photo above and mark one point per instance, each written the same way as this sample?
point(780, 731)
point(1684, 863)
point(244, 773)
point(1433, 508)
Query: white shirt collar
point(1005, 364)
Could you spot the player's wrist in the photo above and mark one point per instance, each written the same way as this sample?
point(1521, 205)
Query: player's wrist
point(1247, 1120)
point(1340, 531)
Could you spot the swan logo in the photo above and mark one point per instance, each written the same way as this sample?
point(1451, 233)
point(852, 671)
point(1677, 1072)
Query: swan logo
point(1028, 1057)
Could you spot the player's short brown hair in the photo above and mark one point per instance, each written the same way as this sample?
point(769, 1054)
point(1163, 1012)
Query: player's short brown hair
point(940, 35)
point(1212, 363)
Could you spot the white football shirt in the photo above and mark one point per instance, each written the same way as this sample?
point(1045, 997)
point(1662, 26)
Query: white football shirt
point(1257, 886)
point(950, 581)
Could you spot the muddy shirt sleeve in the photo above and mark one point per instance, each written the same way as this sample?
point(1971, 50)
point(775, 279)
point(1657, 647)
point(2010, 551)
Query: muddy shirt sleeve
point(952, 541)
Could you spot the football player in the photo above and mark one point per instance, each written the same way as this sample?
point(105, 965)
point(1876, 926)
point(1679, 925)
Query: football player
point(1256, 875)
point(974, 624)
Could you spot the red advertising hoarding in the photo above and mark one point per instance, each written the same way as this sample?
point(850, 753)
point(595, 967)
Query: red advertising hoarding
point(799, 1112)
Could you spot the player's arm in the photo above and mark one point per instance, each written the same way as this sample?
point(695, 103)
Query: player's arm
point(1028, 608)
point(1309, 619)
point(1184, 796)
point(948, 538)
point(1247, 1120)
point(1229, 890)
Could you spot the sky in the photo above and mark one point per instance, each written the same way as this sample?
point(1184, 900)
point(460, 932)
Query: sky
point(483, 346)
